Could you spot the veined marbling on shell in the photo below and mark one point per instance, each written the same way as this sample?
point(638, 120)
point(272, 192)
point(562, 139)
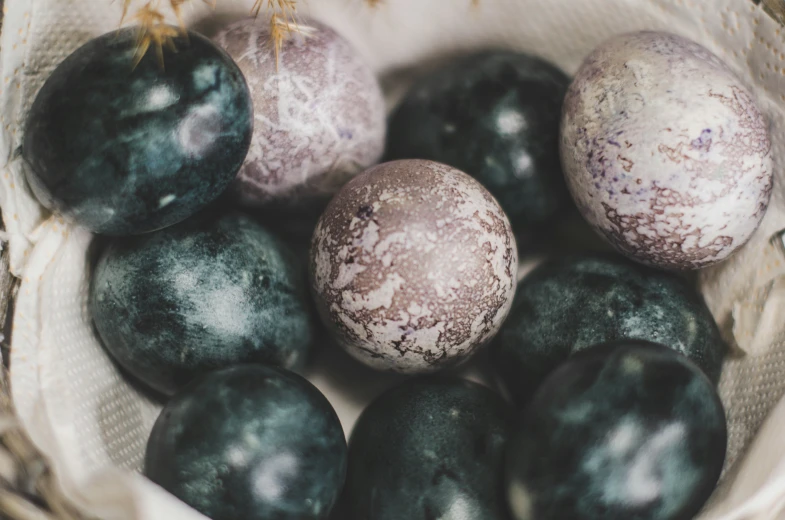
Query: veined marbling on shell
point(494, 115)
point(214, 291)
point(569, 303)
point(621, 431)
point(665, 151)
point(250, 442)
point(413, 266)
point(319, 113)
point(122, 149)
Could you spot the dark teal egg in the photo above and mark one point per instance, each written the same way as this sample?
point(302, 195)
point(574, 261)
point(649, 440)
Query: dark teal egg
point(571, 303)
point(494, 115)
point(627, 431)
point(252, 443)
point(430, 448)
point(123, 150)
point(204, 294)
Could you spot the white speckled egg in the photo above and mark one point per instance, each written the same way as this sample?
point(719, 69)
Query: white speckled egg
point(413, 266)
point(665, 152)
point(319, 115)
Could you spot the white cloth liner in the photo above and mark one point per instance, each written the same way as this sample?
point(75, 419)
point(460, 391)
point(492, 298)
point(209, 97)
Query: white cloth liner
point(94, 426)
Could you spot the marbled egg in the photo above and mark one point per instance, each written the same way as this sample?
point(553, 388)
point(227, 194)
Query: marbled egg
point(430, 448)
point(413, 266)
point(619, 432)
point(494, 115)
point(205, 294)
point(250, 442)
point(571, 303)
point(319, 112)
point(123, 149)
point(665, 151)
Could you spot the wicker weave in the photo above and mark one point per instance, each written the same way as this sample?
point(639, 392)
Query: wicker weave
point(28, 490)
point(776, 8)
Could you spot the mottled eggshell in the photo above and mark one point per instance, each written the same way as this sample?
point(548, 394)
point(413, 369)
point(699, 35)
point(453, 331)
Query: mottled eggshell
point(623, 431)
point(413, 266)
point(494, 115)
point(569, 304)
point(250, 442)
point(430, 448)
point(319, 113)
point(665, 151)
point(205, 294)
point(123, 149)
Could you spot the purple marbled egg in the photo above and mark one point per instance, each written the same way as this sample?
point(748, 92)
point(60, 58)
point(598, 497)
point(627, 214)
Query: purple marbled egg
point(413, 266)
point(665, 152)
point(319, 116)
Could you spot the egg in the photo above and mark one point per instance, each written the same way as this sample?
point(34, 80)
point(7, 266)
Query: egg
point(213, 291)
point(124, 149)
point(620, 431)
point(570, 303)
point(413, 266)
point(494, 115)
point(318, 108)
point(251, 442)
point(665, 152)
point(430, 448)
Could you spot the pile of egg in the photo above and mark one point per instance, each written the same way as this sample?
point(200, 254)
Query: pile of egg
point(260, 206)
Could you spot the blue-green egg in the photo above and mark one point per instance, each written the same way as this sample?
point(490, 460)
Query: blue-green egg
point(429, 448)
point(494, 115)
point(623, 431)
point(205, 294)
point(251, 442)
point(570, 303)
point(123, 149)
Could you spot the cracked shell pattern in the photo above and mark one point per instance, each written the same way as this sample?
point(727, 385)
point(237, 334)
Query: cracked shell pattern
point(413, 266)
point(665, 151)
point(319, 115)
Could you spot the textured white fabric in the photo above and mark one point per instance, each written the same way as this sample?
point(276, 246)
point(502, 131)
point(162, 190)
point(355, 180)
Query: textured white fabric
point(94, 425)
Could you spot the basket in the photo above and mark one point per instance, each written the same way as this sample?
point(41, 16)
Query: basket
point(743, 294)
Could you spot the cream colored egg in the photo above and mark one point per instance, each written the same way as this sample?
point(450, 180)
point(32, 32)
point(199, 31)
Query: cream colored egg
point(665, 152)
